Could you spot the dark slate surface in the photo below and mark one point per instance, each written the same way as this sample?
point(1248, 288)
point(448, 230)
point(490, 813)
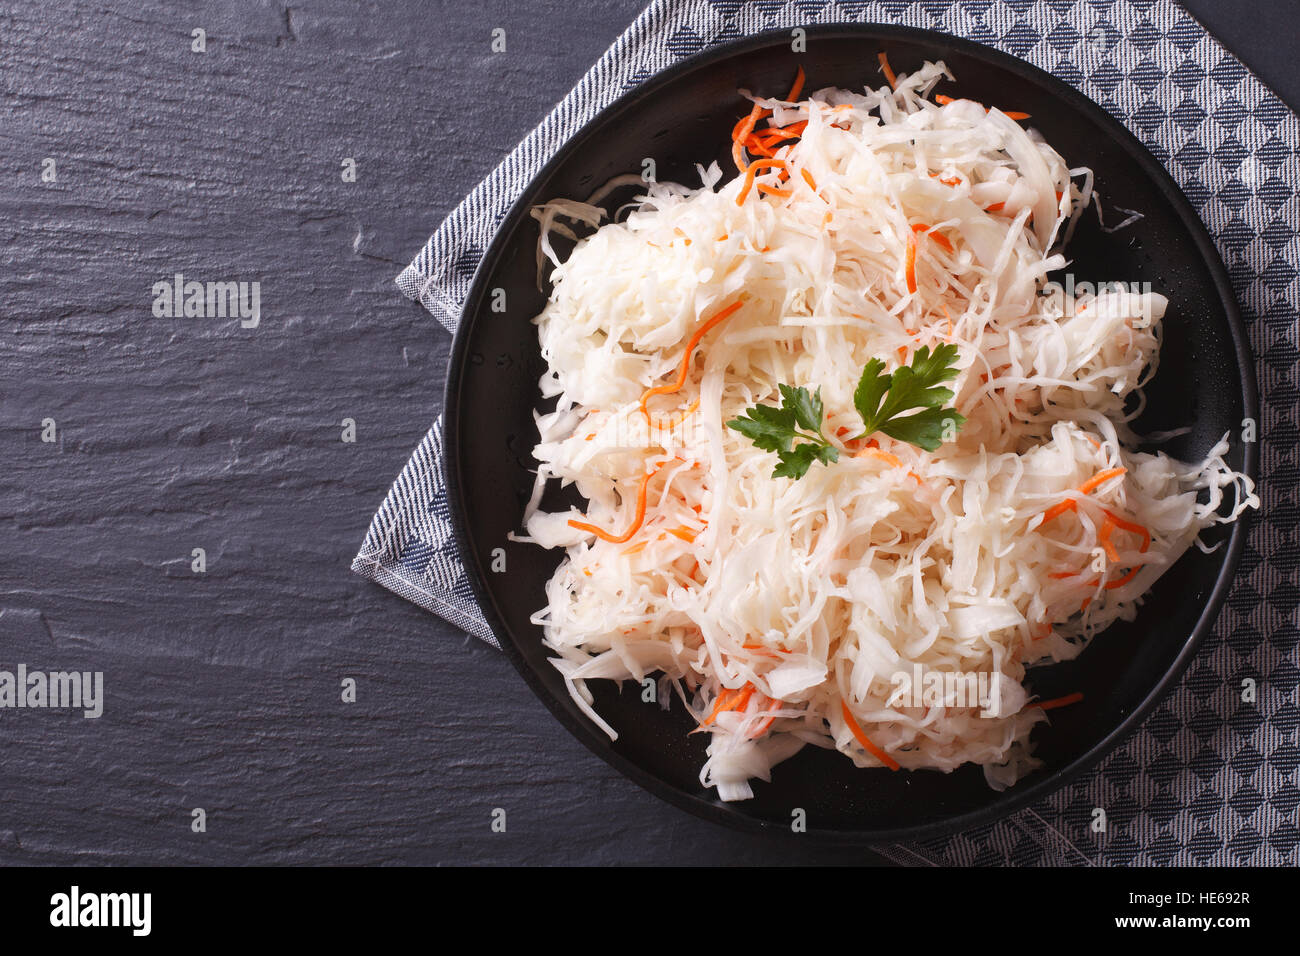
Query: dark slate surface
point(224, 688)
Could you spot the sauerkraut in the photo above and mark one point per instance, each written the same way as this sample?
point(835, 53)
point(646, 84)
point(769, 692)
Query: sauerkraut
point(790, 612)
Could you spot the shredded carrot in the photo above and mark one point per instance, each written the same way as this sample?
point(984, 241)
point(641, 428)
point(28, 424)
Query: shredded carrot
point(1069, 504)
point(741, 133)
point(1062, 575)
point(636, 548)
point(749, 176)
point(1132, 527)
point(885, 68)
point(727, 700)
point(686, 358)
point(945, 100)
point(761, 729)
point(1103, 536)
point(773, 191)
point(773, 135)
point(1065, 701)
point(867, 745)
point(690, 410)
point(685, 533)
point(1100, 478)
point(882, 455)
point(636, 522)
point(996, 207)
point(936, 236)
point(766, 651)
point(909, 262)
point(807, 177)
point(797, 88)
point(1120, 582)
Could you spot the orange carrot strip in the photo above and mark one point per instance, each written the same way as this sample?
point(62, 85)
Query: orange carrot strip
point(636, 522)
point(729, 700)
point(685, 533)
point(691, 410)
point(1130, 526)
point(761, 729)
point(773, 191)
point(686, 358)
point(945, 100)
point(885, 68)
point(1069, 504)
point(936, 236)
point(909, 262)
point(791, 131)
point(749, 176)
point(797, 88)
point(867, 745)
point(1103, 536)
point(996, 207)
point(882, 455)
point(1100, 478)
point(1065, 701)
point(807, 177)
point(765, 651)
point(741, 133)
point(1120, 582)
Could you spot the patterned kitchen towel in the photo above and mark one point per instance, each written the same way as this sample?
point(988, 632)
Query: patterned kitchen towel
point(1208, 778)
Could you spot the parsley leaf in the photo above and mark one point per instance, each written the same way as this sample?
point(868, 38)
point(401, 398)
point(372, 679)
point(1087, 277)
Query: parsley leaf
point(881, 399)
point(794, 431)
point(778, 429)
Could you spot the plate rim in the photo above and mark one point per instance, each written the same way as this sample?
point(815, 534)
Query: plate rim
point(1054, 780)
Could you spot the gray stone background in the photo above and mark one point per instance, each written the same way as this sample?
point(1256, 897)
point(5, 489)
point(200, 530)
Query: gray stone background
point(223, 689)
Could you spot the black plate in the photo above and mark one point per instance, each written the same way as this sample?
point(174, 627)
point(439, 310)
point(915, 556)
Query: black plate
point(684, 116)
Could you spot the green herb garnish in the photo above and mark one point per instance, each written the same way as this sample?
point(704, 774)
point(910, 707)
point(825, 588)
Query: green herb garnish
point(793, 431)
point(881, 399)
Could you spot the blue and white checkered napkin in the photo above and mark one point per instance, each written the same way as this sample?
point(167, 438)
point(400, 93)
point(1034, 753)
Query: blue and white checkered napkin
point(1208, 778)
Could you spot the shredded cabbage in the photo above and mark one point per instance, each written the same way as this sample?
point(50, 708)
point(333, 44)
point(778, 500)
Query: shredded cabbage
point(772, 606)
